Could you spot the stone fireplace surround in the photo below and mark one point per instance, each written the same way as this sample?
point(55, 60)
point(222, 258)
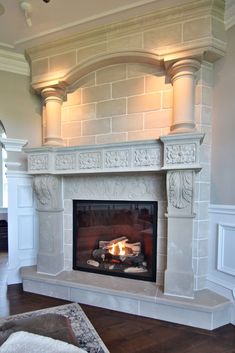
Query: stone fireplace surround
point(166, 170)
point(130, 171)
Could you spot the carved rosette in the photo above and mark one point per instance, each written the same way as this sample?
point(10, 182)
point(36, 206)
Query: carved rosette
point(147, 157)
point(48, 191)
point(116, 159)
point(65, 161)
point(181, 154)
point(180, 189)
point(38, 162)
point(90, 160)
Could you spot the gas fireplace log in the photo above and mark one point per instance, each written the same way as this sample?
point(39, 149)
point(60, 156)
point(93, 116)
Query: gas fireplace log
point(102, 255)
point(135, 247)
point(108, 244)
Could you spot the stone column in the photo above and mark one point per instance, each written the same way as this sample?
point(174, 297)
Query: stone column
point(48, 190)
point(181, 163)
point(53, 99)
point(182, 75)
point(179, 276)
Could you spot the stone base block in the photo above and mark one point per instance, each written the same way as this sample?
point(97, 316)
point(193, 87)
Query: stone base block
point(207, 310)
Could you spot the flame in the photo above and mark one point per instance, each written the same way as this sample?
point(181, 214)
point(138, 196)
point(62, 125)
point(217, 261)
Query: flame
point(118, 249)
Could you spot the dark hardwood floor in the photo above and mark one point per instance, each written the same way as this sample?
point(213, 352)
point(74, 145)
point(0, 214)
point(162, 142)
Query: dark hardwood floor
point(124, 333)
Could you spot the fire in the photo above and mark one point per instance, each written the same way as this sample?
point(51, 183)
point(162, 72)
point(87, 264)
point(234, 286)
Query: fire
point(118, 249)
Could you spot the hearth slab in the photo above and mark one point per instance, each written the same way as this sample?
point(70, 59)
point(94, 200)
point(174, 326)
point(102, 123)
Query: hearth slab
point(207, 310)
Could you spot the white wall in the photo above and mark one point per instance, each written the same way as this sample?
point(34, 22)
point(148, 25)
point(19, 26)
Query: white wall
point(221, 276)
point(223, 127)
point(20, 110)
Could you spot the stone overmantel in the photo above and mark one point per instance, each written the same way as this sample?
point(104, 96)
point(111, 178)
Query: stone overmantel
point(180, 152)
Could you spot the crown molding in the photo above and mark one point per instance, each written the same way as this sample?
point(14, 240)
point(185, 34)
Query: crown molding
point(13, 62)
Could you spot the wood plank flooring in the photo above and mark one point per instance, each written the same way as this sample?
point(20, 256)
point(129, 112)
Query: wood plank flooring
point(124, 333)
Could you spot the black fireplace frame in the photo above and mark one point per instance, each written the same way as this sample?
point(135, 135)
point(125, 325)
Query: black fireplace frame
point(150, 278)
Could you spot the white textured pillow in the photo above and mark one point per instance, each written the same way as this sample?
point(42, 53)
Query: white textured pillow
point(22, 341)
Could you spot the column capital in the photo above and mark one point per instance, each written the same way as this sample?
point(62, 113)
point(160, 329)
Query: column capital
point(53, 93)
point(183, 67)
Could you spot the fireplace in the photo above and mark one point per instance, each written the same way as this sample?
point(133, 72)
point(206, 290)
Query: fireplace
point(117, 238)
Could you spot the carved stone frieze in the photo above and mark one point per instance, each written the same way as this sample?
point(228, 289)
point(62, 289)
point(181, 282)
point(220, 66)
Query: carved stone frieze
point(117, 159)
point(147, 157)
point(116, 187)
point(90, 160)
point(48, 191)
point(180, 189)
point(38, 162)
point(65, 161)
point(181, 153)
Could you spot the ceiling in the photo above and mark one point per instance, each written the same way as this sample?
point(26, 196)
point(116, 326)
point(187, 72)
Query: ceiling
point(59, 18)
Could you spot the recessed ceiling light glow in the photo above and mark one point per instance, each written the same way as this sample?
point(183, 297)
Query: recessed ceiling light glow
point(2, 10)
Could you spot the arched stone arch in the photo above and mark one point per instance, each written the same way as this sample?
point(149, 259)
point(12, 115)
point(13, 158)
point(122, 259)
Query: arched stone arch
point(100, 61)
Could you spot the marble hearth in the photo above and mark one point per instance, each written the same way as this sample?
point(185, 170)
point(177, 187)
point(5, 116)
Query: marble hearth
point(161, 170)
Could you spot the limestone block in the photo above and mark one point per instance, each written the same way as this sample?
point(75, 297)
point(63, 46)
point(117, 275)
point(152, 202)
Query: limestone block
point(40, 67)
point(144, 135)
point(82, 140)
point(68, 206)
point(204, 191)
point(167, 99)
point(68, 237)
point(202, 267)
point(163, 36)
point(127, 123)
point(111, 138)
point(73, 98)
point(130, 87)
point(203, 227)
point(196, 28)
point(82, 112)
point(93, 127)
point(206, 113)
point(91, 51)
point(158, 119)
point(139, 70)
point(202, 247)
point(86, 81)
point(218, 29)
point(111, 73)
point(68, 221)
point(63, 61)
point(96, 94)
point(71, 129)
point(128, 42)
point(155, 83)
point(145, 102)
point(111, 107)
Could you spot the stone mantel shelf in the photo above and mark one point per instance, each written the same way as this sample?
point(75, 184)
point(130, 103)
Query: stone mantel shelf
point(180, 151)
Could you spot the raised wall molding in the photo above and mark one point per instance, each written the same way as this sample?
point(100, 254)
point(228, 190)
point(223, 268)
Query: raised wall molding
point(226, 246)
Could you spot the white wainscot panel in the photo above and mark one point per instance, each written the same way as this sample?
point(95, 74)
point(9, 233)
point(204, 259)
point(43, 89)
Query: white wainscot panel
point(24, 196)
point(226, 246)
point(25, 232)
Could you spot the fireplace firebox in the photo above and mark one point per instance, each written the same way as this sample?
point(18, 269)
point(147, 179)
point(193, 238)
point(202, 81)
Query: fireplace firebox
point(116, 238)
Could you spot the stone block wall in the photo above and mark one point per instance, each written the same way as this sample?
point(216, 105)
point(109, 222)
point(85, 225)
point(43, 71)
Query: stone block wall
point(203, 110)
point(118, 103)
